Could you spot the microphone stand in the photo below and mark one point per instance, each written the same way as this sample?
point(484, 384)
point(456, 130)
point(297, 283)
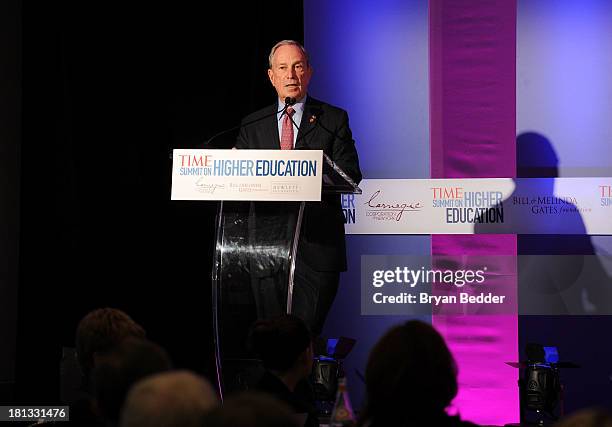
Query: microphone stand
point(288, 102)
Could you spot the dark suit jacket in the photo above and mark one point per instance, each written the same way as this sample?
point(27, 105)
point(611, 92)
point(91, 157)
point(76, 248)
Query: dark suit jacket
point(323, 127)
point(300, 401)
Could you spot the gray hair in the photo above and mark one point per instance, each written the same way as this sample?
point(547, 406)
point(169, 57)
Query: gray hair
point(286, 43)
point(168, 399)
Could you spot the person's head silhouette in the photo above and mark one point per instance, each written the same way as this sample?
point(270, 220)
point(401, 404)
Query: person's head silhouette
point(535, 157)
point(409, 368)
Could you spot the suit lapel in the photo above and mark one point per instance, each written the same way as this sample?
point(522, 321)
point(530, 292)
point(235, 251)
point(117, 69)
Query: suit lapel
point(308, 123)
point(270, 138)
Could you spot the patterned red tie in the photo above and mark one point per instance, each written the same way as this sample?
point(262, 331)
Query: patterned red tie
point(287, 130)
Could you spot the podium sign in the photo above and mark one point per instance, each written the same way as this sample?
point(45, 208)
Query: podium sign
point(254, 175)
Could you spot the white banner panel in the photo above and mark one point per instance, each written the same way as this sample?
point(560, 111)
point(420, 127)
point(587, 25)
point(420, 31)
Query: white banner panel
point(277, 175)
point(469, 206)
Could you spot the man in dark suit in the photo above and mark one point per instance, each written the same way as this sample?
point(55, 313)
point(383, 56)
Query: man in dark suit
point(284, 345)
point(315, 125)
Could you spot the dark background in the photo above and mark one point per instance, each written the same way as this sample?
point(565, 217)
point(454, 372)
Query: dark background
point(10, 139)
point(93, 98)
point(108, 91)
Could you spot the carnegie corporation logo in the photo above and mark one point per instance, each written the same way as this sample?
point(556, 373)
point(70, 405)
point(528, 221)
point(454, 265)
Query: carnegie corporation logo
point(384, 210)
point(605, 193)
point(207, 165)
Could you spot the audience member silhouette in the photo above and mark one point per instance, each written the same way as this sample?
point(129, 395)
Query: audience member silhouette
point(411, 377)
point(592, 417)
point(284, 345)
point(170, 399)
point(98, 332)
point(121, 367)
point(252, 409)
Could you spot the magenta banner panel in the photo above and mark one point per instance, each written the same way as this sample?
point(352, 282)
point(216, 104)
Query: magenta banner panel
point(472, 116)
point(472, 88)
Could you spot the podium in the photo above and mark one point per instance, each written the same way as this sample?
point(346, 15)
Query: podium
point(255, 253)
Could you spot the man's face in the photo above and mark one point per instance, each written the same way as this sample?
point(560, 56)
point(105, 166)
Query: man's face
point(290, 73)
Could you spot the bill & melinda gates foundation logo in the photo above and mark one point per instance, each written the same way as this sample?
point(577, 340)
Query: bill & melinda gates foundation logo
point(381, 209)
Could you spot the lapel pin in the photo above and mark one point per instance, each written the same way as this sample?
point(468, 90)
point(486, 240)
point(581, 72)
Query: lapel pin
point(312, 119)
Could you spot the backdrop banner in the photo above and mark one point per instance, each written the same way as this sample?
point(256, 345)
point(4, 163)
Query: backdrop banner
point(481, 206)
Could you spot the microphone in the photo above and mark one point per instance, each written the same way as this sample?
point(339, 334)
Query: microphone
point(288, 102)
